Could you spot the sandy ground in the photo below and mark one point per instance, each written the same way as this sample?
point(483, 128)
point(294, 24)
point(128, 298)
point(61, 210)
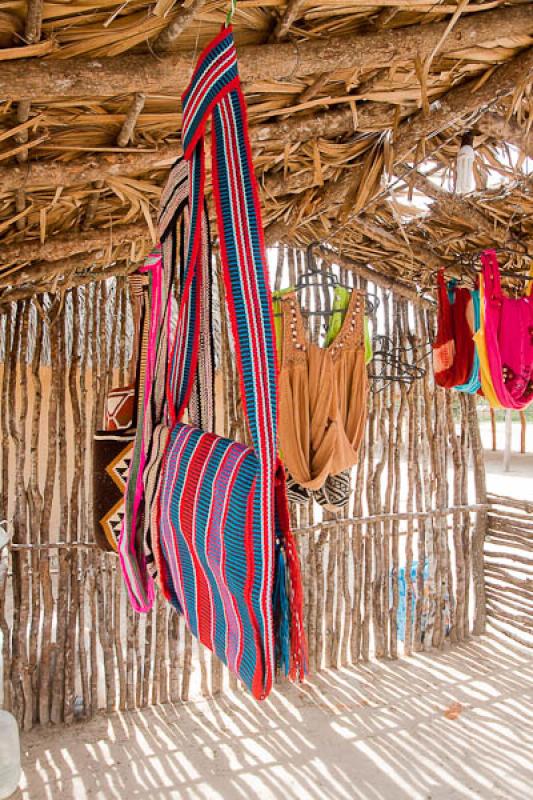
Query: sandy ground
point(458, 724)
point(518, 481)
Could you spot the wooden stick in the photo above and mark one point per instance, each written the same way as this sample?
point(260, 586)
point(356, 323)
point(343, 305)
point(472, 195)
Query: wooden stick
point(74, 511)
point(35, 502)
point(4, 557)
point(45, 523)
point(128, 126)
point(92, 205)
point(481, 518)
point(34, 18)
point(63, 582)
point(83, 77)
point(505, 130)
point(285, 22)
point(19, 562)
point(502, 500)
point(65, 245)
point(182, 20)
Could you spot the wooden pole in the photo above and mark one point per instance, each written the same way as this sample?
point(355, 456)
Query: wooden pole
point(508, 447)
point(126, 132)
point(283, 25)
point(100, 77)
point(452, 107)
point(497, 127)
point(372, 117)
point(402, 290)
point(493, 428)
point(65, 244)
point(523, 429)
point(122, 268)
point(180, 22)
point(478, 536)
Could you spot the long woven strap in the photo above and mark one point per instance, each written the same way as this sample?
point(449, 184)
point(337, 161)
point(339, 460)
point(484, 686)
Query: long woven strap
point(214, 91)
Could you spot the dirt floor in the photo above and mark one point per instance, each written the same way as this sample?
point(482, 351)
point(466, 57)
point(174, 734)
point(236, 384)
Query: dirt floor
point(454, 725)
point(518, 481)
point(458, 724)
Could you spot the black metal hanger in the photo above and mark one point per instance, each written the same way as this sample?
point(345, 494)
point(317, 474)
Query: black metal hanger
point(472, 259)
point(314, 276)
point(390, 365)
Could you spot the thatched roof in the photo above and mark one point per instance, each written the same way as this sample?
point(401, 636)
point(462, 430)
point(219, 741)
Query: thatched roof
point(356, 114)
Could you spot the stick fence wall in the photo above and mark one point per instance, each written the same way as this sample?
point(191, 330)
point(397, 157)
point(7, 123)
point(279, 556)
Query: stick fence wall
point(71, 643)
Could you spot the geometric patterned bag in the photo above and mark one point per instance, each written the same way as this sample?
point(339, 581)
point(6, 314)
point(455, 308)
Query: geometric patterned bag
point(113, 446)
point(111, 461)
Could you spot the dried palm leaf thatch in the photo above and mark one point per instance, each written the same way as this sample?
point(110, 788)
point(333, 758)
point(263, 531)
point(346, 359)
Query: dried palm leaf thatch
point(356, 116)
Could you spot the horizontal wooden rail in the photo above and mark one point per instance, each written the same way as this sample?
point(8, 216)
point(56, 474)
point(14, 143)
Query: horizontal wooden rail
point(344, 522)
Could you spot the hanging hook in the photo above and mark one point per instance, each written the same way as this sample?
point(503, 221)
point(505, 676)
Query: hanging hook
point(309, 257)
point(231, 12)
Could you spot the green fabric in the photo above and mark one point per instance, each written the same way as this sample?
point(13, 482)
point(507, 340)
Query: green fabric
point(278, 322)
point(341, 301)
point(369, 354)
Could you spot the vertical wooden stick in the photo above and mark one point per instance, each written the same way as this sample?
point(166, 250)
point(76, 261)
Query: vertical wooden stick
point(478, 536)
point(493, 428)
point(35, 502)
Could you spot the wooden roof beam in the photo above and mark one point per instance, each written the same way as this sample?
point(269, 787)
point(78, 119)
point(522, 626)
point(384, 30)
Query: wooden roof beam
point(455, 205)
point(331, 256)
point(452, 107)
point(69, 244)
point(25, 292)
point(41, 272)
point(103, 77)
point(90, 168)
point(95, 167)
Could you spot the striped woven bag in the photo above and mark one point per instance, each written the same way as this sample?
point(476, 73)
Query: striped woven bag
point(224, 552)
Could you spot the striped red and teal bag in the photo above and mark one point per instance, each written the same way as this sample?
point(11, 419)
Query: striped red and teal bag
point(225, 555)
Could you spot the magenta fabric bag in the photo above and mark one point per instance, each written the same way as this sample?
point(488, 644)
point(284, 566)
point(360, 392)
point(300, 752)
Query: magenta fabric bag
point(509, 338)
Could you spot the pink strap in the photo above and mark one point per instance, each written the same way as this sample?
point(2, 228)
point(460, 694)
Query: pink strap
point(493, 286)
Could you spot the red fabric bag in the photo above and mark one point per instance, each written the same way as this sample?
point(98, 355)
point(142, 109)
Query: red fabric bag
point(453, 349)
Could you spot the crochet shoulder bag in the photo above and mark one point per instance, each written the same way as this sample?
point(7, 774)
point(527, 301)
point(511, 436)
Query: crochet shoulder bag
point(225, 555)
point(453, 350)
point(113, 445)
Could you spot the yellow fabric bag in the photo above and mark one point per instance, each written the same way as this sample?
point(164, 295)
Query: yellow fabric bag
point(479, 339)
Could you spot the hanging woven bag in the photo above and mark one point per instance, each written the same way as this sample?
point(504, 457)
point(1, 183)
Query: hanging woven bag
point(453, 349)
point(113, 445)
point(225, 555)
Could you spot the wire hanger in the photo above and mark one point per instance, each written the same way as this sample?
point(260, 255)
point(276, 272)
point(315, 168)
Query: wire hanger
point(390, 365)
point(231, 11)
point(472, 259)
point(314, 276)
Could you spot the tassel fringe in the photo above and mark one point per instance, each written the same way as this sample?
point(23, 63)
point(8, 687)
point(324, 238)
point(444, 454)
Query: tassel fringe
point(291, 645)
